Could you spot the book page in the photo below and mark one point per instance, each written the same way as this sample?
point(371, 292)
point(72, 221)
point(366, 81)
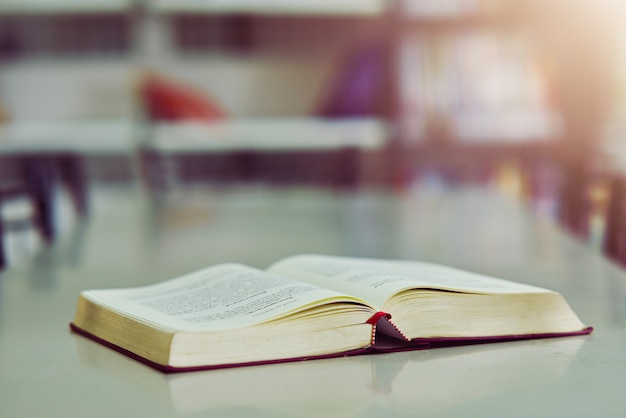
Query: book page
point(221, 297)
point(377, 280)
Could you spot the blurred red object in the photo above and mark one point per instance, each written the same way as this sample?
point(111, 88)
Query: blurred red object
point(164, 99)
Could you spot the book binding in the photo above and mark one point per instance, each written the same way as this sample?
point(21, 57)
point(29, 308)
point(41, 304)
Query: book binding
point(382, 343)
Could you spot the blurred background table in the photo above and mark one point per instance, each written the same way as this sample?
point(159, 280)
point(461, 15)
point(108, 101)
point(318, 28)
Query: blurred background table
point(283, 151)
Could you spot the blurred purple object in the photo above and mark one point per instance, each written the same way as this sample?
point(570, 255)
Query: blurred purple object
point(357, 89)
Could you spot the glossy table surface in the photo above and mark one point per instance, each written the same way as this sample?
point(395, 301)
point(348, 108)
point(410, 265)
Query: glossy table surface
point(127, 241)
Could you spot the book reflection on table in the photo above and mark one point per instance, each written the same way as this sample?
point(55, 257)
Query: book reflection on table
point(431, 380)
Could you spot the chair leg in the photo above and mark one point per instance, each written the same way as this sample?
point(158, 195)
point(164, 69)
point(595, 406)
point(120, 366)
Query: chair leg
point(73, 176)
point(3, 257)
point(40, 177)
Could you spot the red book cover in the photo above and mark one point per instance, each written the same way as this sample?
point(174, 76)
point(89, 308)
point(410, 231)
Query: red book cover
point(165, 99)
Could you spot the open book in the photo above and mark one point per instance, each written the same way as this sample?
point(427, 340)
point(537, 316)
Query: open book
point(313, 306)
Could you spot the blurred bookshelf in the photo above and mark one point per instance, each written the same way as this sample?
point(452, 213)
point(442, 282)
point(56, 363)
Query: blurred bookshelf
point(397, 92)
point(486, 84)
point(62, 36)
point(309, 60)
point(475, 93)
point(463, 77)
point(475, 86)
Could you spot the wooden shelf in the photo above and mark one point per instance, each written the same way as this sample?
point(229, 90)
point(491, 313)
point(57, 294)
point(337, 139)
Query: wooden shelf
point(456, 24)
point(272, 7)
point(38, 7)
point(82, 137)
point(460, 156)
point(268, 135)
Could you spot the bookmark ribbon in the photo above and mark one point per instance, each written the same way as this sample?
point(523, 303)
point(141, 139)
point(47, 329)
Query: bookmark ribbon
point(377, 316)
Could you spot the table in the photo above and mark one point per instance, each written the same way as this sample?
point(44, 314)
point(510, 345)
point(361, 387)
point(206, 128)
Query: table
point(47, 371)
point(302, 150)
